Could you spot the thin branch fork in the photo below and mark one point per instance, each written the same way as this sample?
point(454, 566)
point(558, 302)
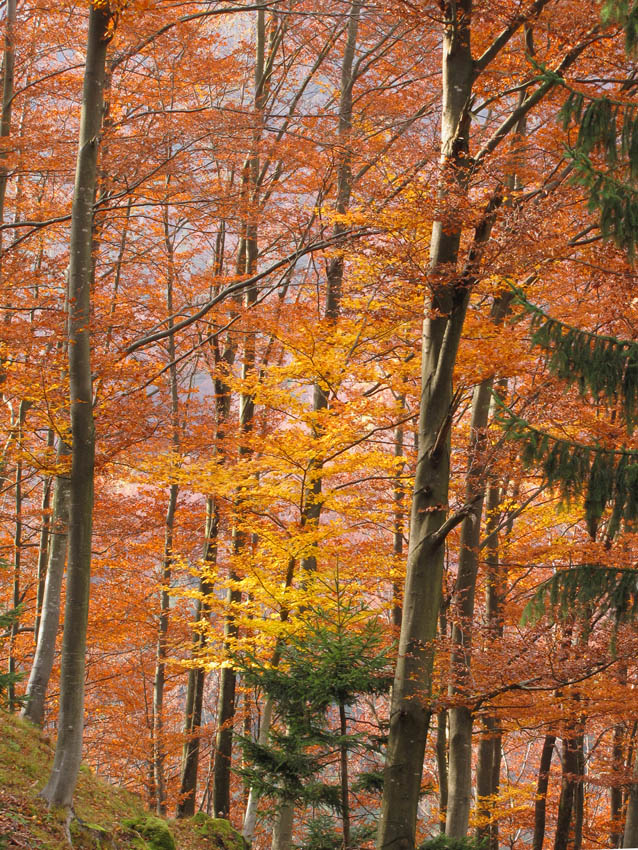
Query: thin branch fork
point(240, 285)
point(436, 538)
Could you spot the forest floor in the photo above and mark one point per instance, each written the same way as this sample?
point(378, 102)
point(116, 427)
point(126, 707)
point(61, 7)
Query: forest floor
point(109, 818)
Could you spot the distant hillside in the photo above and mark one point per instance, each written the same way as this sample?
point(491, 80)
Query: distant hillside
point(109, 818)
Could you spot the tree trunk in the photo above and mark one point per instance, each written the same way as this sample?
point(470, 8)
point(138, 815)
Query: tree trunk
point(197, 675)
point(343, 759)
point(68, 755)
point(461, 721)
point(45, 651)
point(43, 547)
point(540, 806)
point(250, 815)
point(441, 762)
point(159, 680)
point(282, 831)
point(615, 792)
point(8, 65)
point(488, 770)
point(630, 836)
point(410, 711)
point(399, 519)
point(17, 558)
point(569, 782)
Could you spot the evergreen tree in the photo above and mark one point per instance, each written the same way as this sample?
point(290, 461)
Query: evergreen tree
point(604, 157)
point(334, 656)
point(7, 621)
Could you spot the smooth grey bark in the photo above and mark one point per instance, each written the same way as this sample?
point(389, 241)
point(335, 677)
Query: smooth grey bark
point(43, 545)
point(45, 650)
point(445, 314)
point(442, 766)
point(68, 754)
point(282, 832)
point(227, 677)
point(343, 770)
point(461, 718)
point(487, 773)
point(410, 710)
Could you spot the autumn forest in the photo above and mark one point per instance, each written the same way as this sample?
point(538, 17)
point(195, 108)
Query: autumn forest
point(319, 394)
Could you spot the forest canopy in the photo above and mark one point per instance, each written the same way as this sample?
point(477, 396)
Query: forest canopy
point(319, 393)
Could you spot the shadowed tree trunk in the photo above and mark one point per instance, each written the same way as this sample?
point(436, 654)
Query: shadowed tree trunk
point(159, 681)
point(630, 835)
point(17, 557)
point(68, 754)
point(568, 787)
point(488, 769)
point(197, 675)
point(540, 806)
point(615, 792)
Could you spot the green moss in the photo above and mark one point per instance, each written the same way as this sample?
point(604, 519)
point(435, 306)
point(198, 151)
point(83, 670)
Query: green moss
point(90, 835)
point(155, 832)
point(219, 834)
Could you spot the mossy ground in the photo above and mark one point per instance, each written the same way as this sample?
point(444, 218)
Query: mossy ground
point(26, 823)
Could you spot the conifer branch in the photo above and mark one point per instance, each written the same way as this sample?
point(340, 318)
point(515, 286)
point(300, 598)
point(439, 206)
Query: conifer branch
point(583, 587)
point(597, 363)
point(604, 477)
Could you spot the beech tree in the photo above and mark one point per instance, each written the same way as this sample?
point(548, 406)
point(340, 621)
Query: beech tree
point(68, 754)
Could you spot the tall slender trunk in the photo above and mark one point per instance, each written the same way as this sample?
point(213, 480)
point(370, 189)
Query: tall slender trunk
point(343, 764)
point(43, 546)
point(17, 558)
point(579, 791)
point(540, 806)
point(461, 720)
point(630, 835)
point(250, 815)
point(410, 711)
point(159, 681)
point(227, 677)
point(488, 770)
point(68, 755)
point(8, 65)
point(399, 519)
point(45, 650)
point(442, 766)
point(197, 675)
point(615, 792)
